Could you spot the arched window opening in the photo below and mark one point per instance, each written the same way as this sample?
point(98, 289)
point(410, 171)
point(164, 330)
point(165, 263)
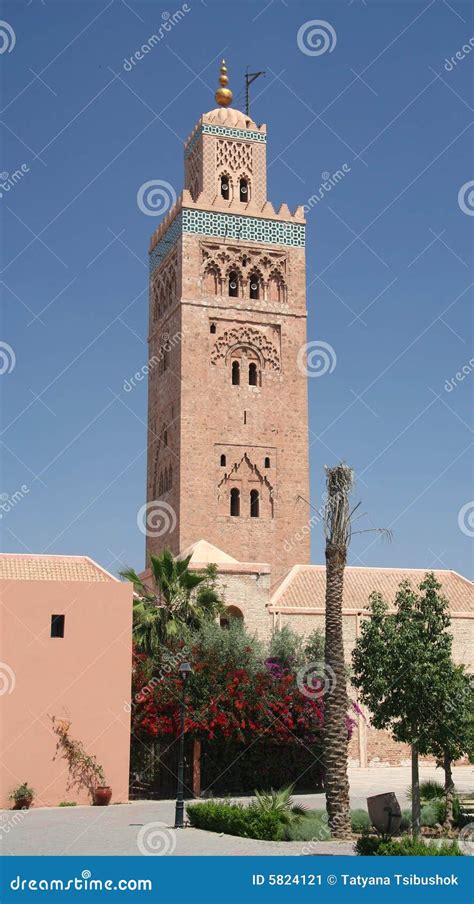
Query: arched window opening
point(165, 438)
point(254, 504)
point(233, 284)
point(213, 328)
point(254, 286)
point(232, 613)
point(235, 502)
point(225, 188)
point(267, 462)
point(243, 190)
point(223, 461)
point(275, 289)
point(253, 374)
point(235, 373)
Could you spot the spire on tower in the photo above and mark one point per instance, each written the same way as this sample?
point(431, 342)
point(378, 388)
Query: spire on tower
point(223, 94)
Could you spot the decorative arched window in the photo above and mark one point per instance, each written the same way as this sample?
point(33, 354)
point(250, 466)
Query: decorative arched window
point(235, 502)
point(211, 281)
point(276, 289)
point(212, 328)
point(235, 373)
point(225, 188)
point(267, 462)
point(243, 190)
point(233, 284)
point(254, 504)
point(253, 374)
point(254, 284)
point(223, 461)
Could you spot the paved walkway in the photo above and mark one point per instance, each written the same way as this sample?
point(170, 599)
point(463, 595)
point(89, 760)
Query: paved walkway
point(145, 827)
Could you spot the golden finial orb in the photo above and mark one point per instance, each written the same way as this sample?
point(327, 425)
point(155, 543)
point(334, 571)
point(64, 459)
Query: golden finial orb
point(223, 94)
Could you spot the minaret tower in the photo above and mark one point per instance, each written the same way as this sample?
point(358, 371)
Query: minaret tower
point(228, 429)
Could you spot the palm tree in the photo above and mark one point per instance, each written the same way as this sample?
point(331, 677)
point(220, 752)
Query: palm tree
point(338, 520)
point(178, 597)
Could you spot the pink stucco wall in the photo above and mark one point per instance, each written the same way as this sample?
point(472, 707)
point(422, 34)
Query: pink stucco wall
point(84, 677)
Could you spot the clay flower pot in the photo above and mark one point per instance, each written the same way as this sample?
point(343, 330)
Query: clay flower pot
point(102, 796)
point(23, 803)
point(385, 813)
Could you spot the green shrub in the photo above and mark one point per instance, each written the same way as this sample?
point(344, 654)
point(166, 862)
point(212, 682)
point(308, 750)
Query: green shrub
point(235, 819)
point(313, 827)
point(373, 846)
point(431, 790)
point(429, 814)
point(68, 803)
point(360, 821)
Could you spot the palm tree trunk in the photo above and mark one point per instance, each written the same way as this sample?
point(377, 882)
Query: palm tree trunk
point(335, 742)
point(448, 790)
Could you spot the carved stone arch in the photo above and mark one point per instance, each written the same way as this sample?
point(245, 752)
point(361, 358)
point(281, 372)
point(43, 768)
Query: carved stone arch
point(211, 281)
point(245, 475)
point(231, 269)
point(246, 336)
point(276, 287)
point(224, 174)
point(244, 177)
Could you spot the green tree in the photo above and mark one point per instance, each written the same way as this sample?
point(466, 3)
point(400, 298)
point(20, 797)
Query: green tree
point(401, 663)
point(451, 731)
point(179, 598)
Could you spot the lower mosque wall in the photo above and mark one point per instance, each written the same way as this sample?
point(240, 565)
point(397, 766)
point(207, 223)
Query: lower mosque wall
point(369, 746)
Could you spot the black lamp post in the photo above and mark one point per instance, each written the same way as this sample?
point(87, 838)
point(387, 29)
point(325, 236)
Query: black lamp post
point(184, 671)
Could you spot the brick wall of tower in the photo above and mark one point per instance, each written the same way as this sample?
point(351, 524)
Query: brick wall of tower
point(212, 414)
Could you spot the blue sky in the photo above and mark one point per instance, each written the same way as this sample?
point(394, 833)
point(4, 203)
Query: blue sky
point(389, 260)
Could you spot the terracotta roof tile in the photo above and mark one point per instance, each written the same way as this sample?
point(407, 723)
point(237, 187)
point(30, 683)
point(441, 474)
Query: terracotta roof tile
point(51, 568)
point(304, 587)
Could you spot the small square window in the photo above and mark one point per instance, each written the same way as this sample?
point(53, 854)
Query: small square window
point(57, 625)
